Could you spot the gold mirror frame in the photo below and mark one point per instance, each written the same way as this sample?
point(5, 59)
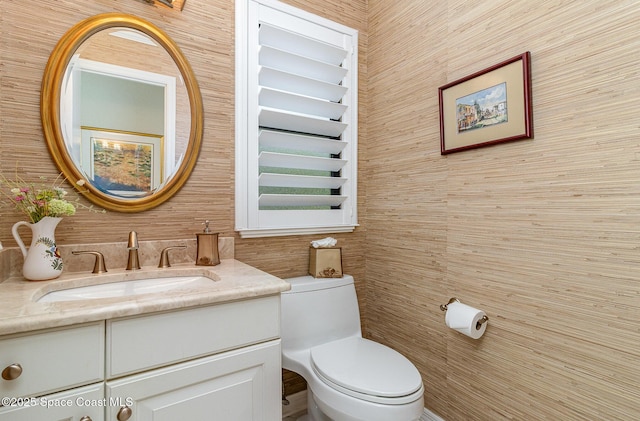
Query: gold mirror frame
point(50, 110)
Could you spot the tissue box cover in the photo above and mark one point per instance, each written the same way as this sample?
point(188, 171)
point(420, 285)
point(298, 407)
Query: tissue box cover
point(325, 262)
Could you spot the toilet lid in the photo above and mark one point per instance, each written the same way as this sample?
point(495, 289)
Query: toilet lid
point(366, 367)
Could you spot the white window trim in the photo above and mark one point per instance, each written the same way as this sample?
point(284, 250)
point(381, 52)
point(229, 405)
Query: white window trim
point(247, 215)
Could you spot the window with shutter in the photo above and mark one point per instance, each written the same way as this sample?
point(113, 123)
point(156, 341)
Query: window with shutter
point(296, 121)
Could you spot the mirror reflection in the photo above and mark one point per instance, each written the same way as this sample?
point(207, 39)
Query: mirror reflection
point(124, 112)
point(121, 110)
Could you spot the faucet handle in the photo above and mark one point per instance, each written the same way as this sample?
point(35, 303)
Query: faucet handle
point(133, 240)
point(99, 266)
point(164, 256)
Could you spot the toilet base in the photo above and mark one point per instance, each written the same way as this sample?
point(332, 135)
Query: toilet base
point(335, 406)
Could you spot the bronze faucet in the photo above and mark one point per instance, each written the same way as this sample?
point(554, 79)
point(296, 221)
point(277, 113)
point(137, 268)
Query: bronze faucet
point(134, 262)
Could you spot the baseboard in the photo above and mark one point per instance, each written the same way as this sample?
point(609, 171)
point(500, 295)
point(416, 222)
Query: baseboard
point(430, 416)
point(297, 404)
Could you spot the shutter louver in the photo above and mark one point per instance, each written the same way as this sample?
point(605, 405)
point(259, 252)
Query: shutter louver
point(299, 117)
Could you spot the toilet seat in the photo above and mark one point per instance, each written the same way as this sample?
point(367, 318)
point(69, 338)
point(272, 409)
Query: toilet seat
point(367, 370)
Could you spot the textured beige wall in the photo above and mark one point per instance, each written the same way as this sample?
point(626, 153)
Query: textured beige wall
point(542, 234)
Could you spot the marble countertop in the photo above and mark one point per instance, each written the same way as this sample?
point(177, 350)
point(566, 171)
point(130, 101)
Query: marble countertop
point(231, 280)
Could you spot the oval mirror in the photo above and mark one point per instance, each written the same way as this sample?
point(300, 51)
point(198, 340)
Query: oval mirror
point(121, 110)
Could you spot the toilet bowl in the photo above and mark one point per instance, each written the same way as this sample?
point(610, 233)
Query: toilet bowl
point(349, 378)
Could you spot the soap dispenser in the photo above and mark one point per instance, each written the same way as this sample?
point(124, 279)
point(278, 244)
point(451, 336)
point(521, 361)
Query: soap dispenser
point(207, 254)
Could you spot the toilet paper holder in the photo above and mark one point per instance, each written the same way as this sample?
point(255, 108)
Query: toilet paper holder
point(480, 322)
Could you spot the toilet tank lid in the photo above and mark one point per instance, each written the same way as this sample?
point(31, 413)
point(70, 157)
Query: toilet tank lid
point(309, 283)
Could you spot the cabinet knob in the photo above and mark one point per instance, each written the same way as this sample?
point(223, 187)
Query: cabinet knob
point(12, 372)
point(86, 418)
point(124, 413)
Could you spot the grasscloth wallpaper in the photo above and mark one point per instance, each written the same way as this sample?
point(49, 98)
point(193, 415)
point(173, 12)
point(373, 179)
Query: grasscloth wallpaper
point(542, 234)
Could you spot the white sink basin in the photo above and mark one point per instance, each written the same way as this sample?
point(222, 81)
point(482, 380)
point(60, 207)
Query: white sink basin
point(125, 288)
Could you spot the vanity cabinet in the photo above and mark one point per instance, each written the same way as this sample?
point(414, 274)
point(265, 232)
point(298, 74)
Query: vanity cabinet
point(216, 362)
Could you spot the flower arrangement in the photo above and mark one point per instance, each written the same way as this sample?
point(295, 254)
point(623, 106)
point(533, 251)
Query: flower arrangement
point(38, 201)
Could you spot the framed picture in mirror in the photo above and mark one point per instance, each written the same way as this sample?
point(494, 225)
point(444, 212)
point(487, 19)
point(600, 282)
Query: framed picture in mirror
point(122, 163)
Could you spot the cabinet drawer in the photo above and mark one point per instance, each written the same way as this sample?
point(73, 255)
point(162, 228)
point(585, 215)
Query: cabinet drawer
point(139, 343)
point(53, 359)
point(87, 401)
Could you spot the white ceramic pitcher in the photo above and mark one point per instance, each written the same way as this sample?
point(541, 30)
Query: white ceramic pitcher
point(42, 261)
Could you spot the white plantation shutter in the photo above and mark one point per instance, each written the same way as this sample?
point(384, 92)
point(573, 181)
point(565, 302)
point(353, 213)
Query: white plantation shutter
point(296, 121)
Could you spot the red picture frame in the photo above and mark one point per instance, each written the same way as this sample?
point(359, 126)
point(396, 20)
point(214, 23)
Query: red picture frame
point(488, 107)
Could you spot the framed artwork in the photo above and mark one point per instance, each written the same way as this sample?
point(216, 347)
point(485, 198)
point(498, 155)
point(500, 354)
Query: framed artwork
point(487, 107)
point(122, 163)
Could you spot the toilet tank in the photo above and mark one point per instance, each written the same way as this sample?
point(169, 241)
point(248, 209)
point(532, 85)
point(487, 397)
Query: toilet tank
point(317, 311)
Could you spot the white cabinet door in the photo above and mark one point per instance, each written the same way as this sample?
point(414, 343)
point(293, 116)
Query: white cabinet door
point(239, 385)
point(76, 404)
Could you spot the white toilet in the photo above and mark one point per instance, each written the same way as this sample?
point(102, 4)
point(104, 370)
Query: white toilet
point(349, 378)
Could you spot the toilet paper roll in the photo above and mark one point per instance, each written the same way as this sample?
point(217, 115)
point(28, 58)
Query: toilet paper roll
point(464, 319)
